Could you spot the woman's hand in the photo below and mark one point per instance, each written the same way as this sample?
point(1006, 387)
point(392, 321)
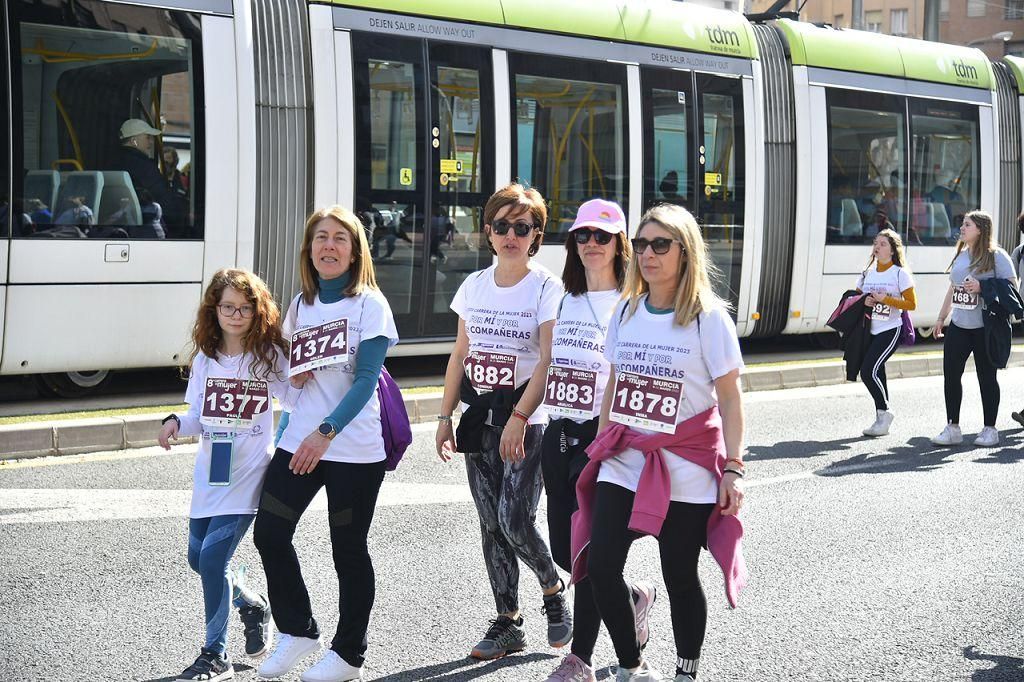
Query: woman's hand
point(972, 286)
point(511, 446)
point(309, 453)
point(444, 440)
point(870, 301)
point(300, 379)
point(730, 494)
point(167, 432)
point(939, 325)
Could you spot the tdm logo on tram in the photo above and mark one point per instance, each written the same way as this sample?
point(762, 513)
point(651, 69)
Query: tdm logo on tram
point(722, 36)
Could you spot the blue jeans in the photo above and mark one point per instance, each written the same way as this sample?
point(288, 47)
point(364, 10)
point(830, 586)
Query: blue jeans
point(211, 543)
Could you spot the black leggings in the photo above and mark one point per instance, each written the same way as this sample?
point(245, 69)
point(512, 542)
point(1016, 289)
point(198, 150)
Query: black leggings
point(562, 467)
point(682, 536)
point(351, 499)
point(872, 369)
point(958, 346)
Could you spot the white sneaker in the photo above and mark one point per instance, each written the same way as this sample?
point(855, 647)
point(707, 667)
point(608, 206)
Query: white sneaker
point(332, 668)
point(988, 438)
point(950, 436)
point(641, 674)
point(645, 594)
point(883, 420)
point(287, 654)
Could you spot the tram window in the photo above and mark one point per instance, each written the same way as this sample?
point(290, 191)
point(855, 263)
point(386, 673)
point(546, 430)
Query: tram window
point(866, 166)
point(569, 134)
point(108, 135)
point(670, 147)
point(945, 181)
point(458, 92)
point(393, 162)
point(7, 208)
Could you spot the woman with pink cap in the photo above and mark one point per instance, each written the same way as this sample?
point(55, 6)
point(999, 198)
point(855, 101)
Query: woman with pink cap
point(597, 257)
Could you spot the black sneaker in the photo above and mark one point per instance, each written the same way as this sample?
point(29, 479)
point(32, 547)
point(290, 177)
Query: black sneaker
point(559, 616)
point(258, 631)
point(505, 636)
point(209, 667)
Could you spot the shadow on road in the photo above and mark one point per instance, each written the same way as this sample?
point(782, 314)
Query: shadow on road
point(918, 454)
point(1007, 667)
point(452, 671)
point(796, 449)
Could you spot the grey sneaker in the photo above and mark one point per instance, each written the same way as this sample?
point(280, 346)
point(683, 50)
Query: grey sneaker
point(572, 669)
point(950, 436)
point(641, 674)
point(644, 594)
point(209, 667)
point(556, 608)
point(988, 438)
point(259, 634)
point(505, 636)
point(883, 421)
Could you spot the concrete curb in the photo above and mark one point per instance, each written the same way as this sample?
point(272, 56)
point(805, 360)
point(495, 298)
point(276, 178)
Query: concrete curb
point(76, 436)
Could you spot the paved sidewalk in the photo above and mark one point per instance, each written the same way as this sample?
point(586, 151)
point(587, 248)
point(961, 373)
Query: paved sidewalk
point(76, 436)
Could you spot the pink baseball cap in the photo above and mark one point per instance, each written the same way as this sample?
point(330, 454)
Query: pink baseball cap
point(601, 214)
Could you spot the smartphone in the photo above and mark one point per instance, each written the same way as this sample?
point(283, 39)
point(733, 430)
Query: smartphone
point(221, 446)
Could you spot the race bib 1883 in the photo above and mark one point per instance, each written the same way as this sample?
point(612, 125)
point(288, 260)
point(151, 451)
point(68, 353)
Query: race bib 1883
point(570, 392)
point(233, 402)
point(319, 346)
point(488, 371)
point(647, 402)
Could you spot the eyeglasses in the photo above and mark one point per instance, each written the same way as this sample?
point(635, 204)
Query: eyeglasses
point(582, 236)
point(661, 245)
point(228, 310)
point(521, 228)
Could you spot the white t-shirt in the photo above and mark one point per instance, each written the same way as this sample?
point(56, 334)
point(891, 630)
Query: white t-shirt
point(578, 339)
point(972, 318)
point(652, 345)
point(360, 442)
point(507, 319)
point(892, 282)
point(250, 453)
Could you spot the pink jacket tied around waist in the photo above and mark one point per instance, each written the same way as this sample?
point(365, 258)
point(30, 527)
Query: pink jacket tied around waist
point(698, 439)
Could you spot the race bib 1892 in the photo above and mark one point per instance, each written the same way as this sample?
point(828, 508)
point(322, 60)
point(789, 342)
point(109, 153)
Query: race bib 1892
point(319, 346)
point(488, 371)
point(963, 299)
point(570, 392)
point(233, 402)
point(647, 402)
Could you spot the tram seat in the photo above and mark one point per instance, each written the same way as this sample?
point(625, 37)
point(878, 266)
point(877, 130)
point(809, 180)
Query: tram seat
point(940, 221)
point(117, 185)
point(79, 183)
point(43, 185)
point(849, 219)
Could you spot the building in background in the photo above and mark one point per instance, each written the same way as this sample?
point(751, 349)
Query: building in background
point(893, 17)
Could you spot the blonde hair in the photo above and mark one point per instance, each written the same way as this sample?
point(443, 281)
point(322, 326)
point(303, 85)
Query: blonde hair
point(983, 252)
point(694, 293)
point(898, 258)
point(361, 269)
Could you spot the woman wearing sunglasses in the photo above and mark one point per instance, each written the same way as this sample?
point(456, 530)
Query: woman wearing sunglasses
point(597, 256)
point(669, 444)
point(496, 374)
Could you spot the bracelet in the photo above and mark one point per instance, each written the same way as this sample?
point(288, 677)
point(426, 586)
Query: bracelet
point(169, 418)
point(524, 417)
point(737, 460)
point(446, 418)
point(733, 471)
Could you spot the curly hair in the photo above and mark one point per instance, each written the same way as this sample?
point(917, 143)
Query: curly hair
point(264, 334)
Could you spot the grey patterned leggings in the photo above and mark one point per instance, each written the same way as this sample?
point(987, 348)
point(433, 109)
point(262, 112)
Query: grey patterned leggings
point(506, 497)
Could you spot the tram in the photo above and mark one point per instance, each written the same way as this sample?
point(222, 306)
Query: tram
point(791, 143)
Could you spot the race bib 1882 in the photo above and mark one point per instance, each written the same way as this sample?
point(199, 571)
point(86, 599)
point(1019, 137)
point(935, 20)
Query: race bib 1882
point(963, 299)
point(233, 402)
point(319, 346)
point(488, 371)
point(647, 402)
point(570, 392)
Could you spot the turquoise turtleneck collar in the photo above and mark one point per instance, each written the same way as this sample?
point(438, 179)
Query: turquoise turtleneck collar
point(332, 290)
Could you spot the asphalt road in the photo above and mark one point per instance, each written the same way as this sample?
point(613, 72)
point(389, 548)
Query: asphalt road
point(882, 559)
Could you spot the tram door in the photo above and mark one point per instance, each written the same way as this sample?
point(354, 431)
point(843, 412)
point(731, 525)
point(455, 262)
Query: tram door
point(424, 168)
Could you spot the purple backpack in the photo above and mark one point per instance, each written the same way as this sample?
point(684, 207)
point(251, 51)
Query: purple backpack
point(908, 335)
point(394, 420)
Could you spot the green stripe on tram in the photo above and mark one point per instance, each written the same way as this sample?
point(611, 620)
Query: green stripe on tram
point(874, 53)
point(682, 26)
point(1016, 65)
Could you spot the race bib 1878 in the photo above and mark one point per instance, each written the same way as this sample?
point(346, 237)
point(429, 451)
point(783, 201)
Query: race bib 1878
point(963, 299)
point(488, 371)
point(319, 346)
point(647, 402)
point(233, 402)
point(570, 392)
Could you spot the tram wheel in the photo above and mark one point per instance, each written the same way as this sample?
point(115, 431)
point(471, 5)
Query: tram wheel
point(73, 384)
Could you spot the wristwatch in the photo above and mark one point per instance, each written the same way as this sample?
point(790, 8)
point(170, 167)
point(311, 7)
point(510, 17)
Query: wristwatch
point(169, 418)
point(327, 430)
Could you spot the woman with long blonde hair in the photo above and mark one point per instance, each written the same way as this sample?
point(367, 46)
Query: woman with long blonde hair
point(977, 258)
point(340, 327)
point(668, 458)
point(890, 290)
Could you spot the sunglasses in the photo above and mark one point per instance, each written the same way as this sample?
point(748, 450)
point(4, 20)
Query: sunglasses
point(583, 236)
point(661, 245)
point(522, 229)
